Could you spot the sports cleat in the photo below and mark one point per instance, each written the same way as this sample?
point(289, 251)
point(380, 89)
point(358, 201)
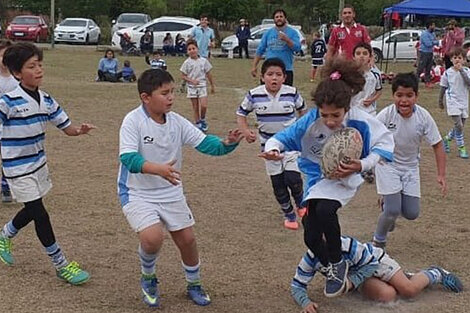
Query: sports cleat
point(292, 225)
point(463, 152)
point(336, 279)
point(449, 280)
point(446, 141)
point(148, 285)
point(5, 251)
point(301, 211)
point(73, 274)
point(204, 127)
point(6, 196)
point(198, 295)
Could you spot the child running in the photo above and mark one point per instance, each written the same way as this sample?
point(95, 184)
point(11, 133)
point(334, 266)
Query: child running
point(194, 71)
point(275, 105)
point(150, 185)
point(341, 80)
point(454, 84)
point(373, 273)
point(398, 182)
point(318, 51)
point(24, 113)
point(7, 83)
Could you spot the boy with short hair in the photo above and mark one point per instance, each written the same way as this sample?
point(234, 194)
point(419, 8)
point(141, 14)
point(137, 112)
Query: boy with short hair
point(373, 273)
point(24, 113)
point(156, 62)
point(195, 70)
point(149, 180)
point(318, 51)
point(398, 181)
point(275, 105)
point(7, 83)
point(454, 84)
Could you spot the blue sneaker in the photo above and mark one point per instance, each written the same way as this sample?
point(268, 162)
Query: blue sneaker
point(198, 295)
point(204, 127)
point(148, 284)
point(446, 141)
point(449, 280)
point(336, 279)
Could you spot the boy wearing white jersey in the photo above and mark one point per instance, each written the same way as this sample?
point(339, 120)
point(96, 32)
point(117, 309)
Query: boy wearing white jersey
point(373, 273)
point(195, 70)
point(7, 83)
point(149, 181)
point(275, 106)
point(24, 113)
point(398, 182)
point(454, 84)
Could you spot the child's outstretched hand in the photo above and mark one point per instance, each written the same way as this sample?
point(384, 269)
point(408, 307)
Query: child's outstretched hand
point(441, 180)
point(249, 135)
point(310, 308)
point(272, 155)
point(168, 172)
point(234, 136)
point(85, 128)
point(367, 102)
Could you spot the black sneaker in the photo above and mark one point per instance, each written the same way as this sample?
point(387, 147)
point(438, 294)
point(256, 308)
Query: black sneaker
point(336, 279)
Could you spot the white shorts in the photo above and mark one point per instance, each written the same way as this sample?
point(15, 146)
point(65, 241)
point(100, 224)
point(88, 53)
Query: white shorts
point(31, 187)
point(341, 190)
point(451, 111)
point(387, 268)
point(196, 92)
point(391, 180)
point(288, 163)
point(175, 215)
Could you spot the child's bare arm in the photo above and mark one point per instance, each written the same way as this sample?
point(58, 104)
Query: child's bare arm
point(250, 135)
point(211, 81)
point(188, 79)
point(74, 130)
point(166, 171)
point(441, 166)
point(373, 98)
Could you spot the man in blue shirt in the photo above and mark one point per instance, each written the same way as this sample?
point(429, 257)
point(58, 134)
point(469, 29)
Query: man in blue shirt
point(281, 42)
point(204, 36)
point(426, 42)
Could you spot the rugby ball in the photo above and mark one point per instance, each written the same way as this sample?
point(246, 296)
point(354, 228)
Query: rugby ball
point(343, 145)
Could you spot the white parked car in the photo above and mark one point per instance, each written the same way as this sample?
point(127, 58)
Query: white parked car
point(160, 27)
point(126, 20)
point(82, 30)
point(231, 42)
point(405, 39)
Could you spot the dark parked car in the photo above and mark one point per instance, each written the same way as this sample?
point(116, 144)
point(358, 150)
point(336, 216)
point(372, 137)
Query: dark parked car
point(27, 27)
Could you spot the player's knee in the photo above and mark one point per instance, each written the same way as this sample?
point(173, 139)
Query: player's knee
point(386, 295)
point(411, 215)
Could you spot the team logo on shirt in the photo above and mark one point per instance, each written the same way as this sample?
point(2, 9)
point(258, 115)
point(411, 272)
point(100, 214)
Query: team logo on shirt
point(358, 33)
point(392, 126)
point(23, 110)
point(148, 140)
point(341, 35)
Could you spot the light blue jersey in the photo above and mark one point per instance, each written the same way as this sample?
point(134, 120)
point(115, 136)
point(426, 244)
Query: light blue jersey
point(277, 48)
point(203, 37)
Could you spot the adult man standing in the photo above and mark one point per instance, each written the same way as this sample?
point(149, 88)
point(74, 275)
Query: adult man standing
point(204, 36)
point(453, 38)
point(345, 37)
point(281, 42)
point(243, 34)
point(426, 42)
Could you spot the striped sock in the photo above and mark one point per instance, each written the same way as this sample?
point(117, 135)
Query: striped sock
point(450, 134)
point(9, 231)
point(434, 275)
point(147, 261)
point(192, 273)
point(287, 209)
point(57, 256)
point(459, 139)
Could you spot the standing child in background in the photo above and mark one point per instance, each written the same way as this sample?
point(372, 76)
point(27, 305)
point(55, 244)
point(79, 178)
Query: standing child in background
point(318, 51)
point(366, 99)
point(7, 83)
point(156, 62)
point(128, 74)
point(341, 80)
point(398, 182)
point(195, 70)
point(24, 113)
point(455, 84)
point(150, 185)
point(275, 105)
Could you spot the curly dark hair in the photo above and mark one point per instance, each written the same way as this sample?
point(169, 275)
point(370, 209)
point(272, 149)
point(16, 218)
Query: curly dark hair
point(338, 92)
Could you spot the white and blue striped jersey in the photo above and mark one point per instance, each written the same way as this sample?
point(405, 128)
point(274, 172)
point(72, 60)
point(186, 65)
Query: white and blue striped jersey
point(157, 64)
point(273, 113)
point(362, 260)
point(24, 123)
point(309, 134)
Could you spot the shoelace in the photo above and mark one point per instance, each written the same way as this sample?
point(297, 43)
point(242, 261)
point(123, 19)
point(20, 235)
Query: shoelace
point(5, 245)
point(332, 273)
point(73, 268)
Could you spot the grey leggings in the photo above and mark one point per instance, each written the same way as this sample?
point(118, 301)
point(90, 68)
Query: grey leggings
point(395, 205)
point(459, 122)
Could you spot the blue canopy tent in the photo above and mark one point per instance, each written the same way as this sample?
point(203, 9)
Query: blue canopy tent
point(453, 8)
point(448, 8)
